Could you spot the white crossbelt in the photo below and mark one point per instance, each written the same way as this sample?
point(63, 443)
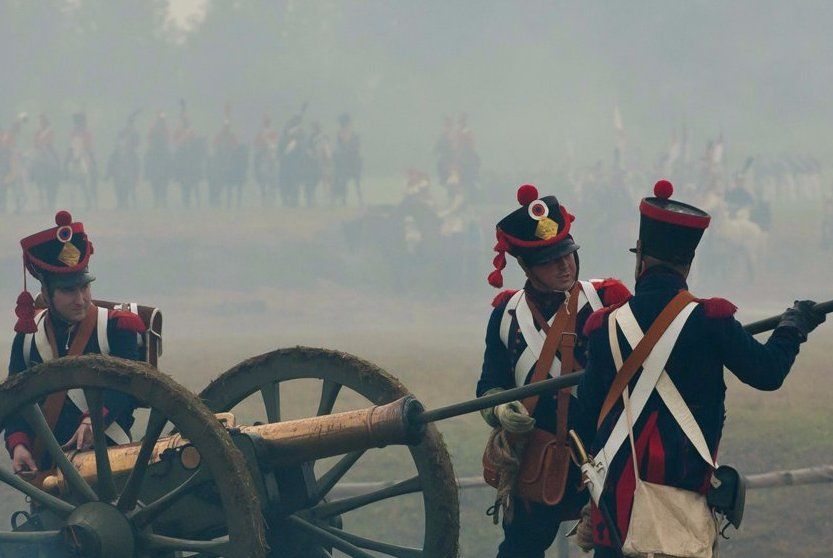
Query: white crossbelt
point(535, 337)
point(666, 389)
point(652, 369)
point(38, 339)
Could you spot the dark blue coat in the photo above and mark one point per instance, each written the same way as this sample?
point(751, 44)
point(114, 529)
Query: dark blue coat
point(711, 339)
point(121, 334)
point(499, 361)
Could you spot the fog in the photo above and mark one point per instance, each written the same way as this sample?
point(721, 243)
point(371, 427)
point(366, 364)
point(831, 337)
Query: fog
point(452, 106)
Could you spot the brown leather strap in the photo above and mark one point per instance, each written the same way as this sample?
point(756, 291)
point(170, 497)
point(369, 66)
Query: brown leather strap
point(555, 337)
point(54, 403)
point(568, 343)
point(539, 318)
point(635, 360)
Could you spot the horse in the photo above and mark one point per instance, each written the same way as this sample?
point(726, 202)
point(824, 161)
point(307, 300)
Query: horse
point(123, 168)
point(266, 172)
point(188, 165)
point(45, 171)
point(80, 172)
point(735, 238)
point(347, 167)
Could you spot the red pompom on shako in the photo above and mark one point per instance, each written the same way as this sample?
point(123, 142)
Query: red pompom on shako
point(527, 194)
point(663, 189)
point(538, 232)
point(63, 218)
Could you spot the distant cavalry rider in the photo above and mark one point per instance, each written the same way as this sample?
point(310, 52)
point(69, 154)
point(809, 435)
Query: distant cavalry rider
point(80, 163)
point(538, 235)
point(157, 163)
point(702, 337)
point(71, 325)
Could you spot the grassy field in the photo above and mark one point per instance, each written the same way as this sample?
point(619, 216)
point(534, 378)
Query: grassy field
point(236, 285)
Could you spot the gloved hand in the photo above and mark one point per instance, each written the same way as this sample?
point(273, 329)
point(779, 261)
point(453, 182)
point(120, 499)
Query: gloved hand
point(489, 414)
point(802, 318)
point(514, 418)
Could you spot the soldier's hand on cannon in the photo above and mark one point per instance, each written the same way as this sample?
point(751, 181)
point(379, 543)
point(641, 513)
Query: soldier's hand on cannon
point(514, 418)
point(488, 414)
point(22, 461)
point(802, 317)
point(83, 437)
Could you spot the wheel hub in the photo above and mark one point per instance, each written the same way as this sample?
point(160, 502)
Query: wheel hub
point(99, 530)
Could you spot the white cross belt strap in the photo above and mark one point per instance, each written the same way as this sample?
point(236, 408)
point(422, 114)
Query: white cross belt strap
point(533, 336)
point(666, 389)
point(652, 368)
point(38, 339)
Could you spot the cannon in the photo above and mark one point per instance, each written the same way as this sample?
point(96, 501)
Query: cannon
point(200, 482)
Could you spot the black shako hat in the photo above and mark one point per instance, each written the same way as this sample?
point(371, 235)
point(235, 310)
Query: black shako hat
point(538, 232)
point(670, 230)
point(57, 257)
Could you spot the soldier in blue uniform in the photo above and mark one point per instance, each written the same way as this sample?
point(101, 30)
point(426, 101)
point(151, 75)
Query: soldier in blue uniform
point(710, 339)
point(58, 257)
point(538, 235)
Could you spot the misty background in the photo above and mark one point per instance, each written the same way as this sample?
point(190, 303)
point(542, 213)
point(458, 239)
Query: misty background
point(592, 102)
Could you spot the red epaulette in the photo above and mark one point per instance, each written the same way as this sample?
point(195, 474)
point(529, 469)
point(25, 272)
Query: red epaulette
point(128, 321)
point(503, 297)
point(596, 320)
point(615, 292)
point(717, 307)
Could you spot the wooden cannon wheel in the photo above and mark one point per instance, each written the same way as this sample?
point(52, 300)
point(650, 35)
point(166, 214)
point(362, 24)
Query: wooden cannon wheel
point(110, 517)
point(265, 375)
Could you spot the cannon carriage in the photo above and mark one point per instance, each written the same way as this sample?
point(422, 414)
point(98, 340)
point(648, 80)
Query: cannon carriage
point(197, 482)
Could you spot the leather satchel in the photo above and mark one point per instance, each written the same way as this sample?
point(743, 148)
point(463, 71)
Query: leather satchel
point(546, 459)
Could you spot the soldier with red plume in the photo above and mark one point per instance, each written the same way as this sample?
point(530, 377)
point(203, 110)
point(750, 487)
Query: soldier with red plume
point(71, 324)
point(654, 390)
point(532, 333)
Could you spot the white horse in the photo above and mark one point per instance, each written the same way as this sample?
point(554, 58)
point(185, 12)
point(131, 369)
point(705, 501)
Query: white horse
point(736, 237)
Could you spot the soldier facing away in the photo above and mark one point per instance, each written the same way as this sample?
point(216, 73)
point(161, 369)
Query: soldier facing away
point(70, 325)
point(701, 336)
point(535, 327)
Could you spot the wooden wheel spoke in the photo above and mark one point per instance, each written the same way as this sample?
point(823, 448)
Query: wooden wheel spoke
point(377, 546)
point(271, 394)
point(329, 394)
point(29, 537)
point(329, 479)
point(127, 499)
point(104, 474)
point(325, 537)
point(34, 416)
point(54, 504)
point(218, 547)
point(330, 509)
point(147, 514)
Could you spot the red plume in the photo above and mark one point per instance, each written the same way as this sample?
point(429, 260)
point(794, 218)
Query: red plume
point(25, 312)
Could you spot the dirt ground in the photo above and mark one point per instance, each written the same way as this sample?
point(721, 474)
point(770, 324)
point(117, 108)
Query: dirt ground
point(229, 292)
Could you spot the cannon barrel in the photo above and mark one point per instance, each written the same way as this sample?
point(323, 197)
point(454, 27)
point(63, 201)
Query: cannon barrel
point(282, 443)
point(297, 441)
